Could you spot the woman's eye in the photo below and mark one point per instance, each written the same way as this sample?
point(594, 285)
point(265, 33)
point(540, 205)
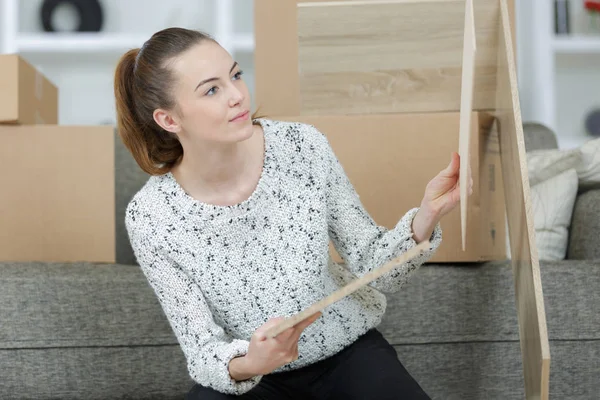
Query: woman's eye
point(238, 75)
point(211, 91)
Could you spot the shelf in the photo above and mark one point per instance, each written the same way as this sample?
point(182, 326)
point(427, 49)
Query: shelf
point(99, 42)
point(80, 42)
point(577, 45)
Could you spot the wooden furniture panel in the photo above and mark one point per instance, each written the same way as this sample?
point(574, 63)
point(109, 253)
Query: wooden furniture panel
point(528, 287)
point(466, 105)
point(391, 56)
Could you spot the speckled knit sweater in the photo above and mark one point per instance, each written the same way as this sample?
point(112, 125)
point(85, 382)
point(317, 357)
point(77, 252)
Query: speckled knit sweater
point(220, 272)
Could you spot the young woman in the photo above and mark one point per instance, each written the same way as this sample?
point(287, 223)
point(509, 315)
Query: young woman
point(232, 232)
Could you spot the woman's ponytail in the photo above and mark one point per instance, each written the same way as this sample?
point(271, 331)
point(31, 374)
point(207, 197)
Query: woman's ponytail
point(128, 124)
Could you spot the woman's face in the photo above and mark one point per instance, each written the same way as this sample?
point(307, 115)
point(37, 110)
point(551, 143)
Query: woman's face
point(212, 100)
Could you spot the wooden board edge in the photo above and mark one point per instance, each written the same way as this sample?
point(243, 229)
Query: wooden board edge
point(519, 124)
point(348, 289)
point(466, 106)
point(506, 60)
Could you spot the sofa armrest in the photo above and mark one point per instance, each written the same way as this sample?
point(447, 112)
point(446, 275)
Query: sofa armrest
point(585, 227)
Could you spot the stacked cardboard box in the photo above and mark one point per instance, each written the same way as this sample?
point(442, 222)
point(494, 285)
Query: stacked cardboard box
point(384, 87)
point(57, 182)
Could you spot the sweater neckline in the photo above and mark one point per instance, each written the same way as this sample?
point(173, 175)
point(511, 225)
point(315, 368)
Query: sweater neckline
point(213, 211)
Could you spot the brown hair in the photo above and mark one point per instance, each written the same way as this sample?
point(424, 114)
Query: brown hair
point(141, 85)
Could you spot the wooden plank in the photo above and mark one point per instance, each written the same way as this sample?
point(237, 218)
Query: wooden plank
point(348, 289)
point(391, 56)
point(276, 60)
point(528, 287)
point(466, 105)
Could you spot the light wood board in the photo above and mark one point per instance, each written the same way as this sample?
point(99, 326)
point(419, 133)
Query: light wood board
point(466, 105)
point(528, 287)
point(348, 289)
point(363, 57)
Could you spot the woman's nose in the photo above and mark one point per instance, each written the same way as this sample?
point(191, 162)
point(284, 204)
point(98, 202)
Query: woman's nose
point(236, 96)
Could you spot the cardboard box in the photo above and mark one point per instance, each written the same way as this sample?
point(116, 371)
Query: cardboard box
point(27, 97)
point(57, 197)
point(390, 158)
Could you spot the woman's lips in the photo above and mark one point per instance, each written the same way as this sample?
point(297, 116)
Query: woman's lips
point(241, 117)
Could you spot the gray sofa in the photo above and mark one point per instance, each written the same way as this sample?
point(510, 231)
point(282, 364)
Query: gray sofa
point(85, 331)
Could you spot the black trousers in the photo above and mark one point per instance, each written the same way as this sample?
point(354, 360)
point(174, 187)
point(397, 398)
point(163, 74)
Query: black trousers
point(368, 369)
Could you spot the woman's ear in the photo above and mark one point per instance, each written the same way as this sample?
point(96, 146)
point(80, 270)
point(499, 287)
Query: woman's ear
point(167, 120)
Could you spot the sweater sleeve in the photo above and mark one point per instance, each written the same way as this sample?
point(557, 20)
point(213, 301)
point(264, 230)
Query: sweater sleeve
point(361, 242)
point(205, 345)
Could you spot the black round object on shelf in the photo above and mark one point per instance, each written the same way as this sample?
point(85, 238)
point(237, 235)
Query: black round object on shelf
point(89, 11)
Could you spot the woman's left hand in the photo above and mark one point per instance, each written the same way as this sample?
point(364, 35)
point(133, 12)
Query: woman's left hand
point(442, 193)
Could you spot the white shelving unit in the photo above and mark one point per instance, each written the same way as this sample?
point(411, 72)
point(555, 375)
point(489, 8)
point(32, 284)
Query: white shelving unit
point(103, 43)
point(13, 41)
point(576, 45)
point(557, 78)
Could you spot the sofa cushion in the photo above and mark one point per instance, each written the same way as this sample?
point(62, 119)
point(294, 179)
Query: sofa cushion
point(553, 188)
point(140, 372)
point(97, 331)
point(494, 371)
point(476, 303)
point(456, 329)
point(552, 202)
point(73, 331)
point(545, 164)
point(585, 227)
point(80, 304)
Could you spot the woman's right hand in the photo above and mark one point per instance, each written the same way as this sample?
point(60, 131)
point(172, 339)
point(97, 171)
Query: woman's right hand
point(267, 354)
